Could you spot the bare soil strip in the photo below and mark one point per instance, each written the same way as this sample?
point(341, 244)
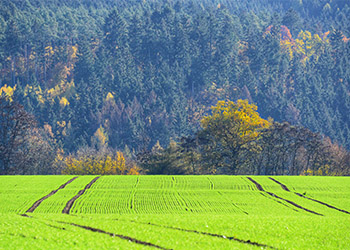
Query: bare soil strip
point(267, 196)
point(301, 195)
point(69, 204)
point(134, 240)
point(208, 234)
point(46, 224)
point(284, 187)
point(26, 215)
point(97, 230)
point(38, 202)
point(260, 188)
point(280, 202)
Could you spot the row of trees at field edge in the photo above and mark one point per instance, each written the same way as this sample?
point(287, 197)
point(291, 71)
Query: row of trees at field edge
point(234, 139)
point(27, 149)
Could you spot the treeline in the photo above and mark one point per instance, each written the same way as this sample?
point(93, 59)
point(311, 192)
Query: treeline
point(141, 72)
point(234, 139)
point(27, 149)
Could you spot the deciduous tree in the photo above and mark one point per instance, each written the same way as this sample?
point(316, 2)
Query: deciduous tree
point(230, 126)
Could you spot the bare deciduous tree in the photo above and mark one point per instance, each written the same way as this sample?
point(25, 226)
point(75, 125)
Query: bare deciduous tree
point(15, 124)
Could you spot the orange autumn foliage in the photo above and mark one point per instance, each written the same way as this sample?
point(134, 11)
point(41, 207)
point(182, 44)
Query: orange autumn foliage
point(98, 164)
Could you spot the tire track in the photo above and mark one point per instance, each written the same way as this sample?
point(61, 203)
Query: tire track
point(268, 197)
point(208, 234)
point(249, 242)
point(97, 230)
point(303, 196)
point(46, 224)
point(173, 182)
point(69, 204)
point(133, 192)
point(124, 237)
point(183, 203)
point(211, 184)
point(260, 188)
point(284, 187)
point(279, 202)
point(240, 209)
point(38, 202)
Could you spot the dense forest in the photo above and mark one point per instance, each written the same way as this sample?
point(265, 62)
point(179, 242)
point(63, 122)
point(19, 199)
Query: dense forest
point(130, 85)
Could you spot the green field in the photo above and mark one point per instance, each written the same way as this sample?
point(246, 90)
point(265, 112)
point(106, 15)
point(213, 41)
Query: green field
point(174, 212)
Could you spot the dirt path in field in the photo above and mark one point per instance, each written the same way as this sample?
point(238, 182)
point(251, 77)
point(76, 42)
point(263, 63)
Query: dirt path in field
point(260, 188)
point(97, 230)
point(284, 187)
point(38, 202)
point(70, 203)
point(279, 202)
point(208, 234)
point(124, 237)
point(269, 197)
point(303, 196)
point(224, 197)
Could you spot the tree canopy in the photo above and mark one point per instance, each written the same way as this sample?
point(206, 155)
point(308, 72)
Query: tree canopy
point(129, 74)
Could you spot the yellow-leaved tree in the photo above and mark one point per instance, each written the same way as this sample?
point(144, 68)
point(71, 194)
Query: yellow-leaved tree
point(230, 126)
point(309, 45)
point(93, 162)
point(7, 91)
point(100, 138)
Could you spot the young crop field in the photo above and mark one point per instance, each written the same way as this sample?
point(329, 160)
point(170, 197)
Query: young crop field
point(174, 212)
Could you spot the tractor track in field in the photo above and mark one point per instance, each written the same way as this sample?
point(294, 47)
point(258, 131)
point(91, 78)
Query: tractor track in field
point(240, 209)
point(271, 198)
point(279, 202)
point(207, 234)
point(260, 188)
point(124, 237)
point(132, 199)
point(97, 230)
point(46, 224)
point(284, 187)
point(70, 203)
point(38, 202)
point(211, 184)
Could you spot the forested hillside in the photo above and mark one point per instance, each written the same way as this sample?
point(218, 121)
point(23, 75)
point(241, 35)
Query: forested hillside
point(130, 73)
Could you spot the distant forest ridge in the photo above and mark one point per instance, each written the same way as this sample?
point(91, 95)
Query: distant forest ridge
point(138, 72)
